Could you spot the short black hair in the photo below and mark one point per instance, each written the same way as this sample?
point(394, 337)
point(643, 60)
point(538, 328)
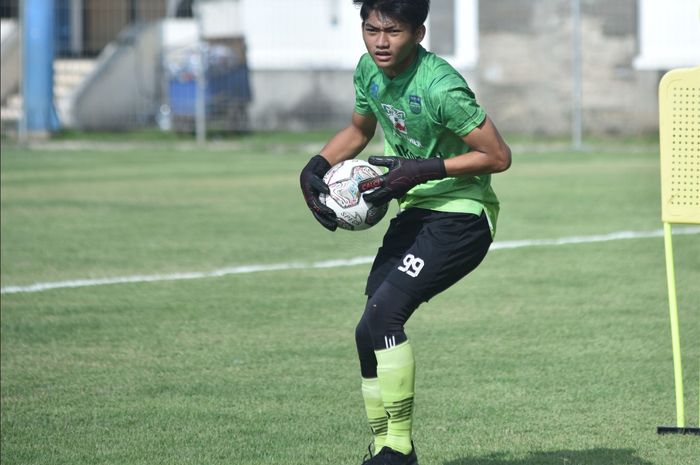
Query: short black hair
point(412, 12)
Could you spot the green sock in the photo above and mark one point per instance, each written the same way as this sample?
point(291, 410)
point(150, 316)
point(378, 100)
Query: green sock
point(376, 415)
point(396, 375)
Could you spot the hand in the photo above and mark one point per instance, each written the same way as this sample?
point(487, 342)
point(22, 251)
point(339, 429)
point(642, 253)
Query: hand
point(403, 175)
point(311, 185)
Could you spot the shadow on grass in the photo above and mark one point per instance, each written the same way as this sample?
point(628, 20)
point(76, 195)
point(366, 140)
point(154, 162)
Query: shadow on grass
point(560, 457)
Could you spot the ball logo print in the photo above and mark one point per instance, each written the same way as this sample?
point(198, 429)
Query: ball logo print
point(345, 199)
point(345, 193)
point(412, 265)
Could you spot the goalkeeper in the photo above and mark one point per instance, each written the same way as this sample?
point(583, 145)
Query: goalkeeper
point(440, 149)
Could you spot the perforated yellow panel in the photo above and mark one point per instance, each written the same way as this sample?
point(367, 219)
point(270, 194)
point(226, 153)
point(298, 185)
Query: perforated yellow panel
point(679, 131)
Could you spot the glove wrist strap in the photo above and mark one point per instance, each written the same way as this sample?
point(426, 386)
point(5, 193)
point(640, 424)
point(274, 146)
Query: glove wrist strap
point(320, 162)
point(433, 168)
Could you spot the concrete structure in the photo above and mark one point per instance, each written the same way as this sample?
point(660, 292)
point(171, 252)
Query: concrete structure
point(519, 62)
point(123, 90)
point(516, 54)
point(525, 68)
point(9, 51)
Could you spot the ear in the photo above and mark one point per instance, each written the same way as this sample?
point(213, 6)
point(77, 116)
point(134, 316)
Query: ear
point(420, 34)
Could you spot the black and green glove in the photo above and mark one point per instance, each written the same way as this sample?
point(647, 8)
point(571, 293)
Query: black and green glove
point(403, 175)
point(311, 180)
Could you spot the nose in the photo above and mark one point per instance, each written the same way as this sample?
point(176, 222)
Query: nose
point(383, 40)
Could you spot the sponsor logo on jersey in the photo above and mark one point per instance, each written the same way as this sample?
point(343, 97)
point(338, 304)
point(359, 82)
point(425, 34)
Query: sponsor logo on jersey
point(397, 118)
point(415, 142)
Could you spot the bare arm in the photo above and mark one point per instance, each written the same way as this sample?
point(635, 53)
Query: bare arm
point(351, 140)
point(489, 153)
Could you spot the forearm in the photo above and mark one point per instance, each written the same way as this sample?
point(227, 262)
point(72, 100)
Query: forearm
point(476, 163)
point(350, 141)
point(346, 144)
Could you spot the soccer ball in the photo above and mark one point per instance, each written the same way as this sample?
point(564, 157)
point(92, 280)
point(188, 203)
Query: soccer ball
point(345, 199)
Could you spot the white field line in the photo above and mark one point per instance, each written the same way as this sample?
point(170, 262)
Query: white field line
point(39, 287)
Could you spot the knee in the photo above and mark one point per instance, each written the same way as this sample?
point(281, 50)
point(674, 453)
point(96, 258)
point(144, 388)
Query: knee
point(363, 335)
point(389, 309)
point(385, 315)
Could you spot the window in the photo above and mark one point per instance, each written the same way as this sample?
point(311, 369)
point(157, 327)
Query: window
point(453, 31)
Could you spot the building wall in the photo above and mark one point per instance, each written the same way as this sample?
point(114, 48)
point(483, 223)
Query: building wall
point(523, 74)
point(516, 54)
point(525, 67)
point(299, 100)
point(104, 19)
point(306, 82)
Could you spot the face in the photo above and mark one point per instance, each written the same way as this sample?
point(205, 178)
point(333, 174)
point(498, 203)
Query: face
point(392, 44)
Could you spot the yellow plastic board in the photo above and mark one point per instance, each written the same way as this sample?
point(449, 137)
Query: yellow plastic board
point(679, 132)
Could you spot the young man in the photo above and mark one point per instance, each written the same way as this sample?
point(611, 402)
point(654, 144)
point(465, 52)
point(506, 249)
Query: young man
point(441, 149)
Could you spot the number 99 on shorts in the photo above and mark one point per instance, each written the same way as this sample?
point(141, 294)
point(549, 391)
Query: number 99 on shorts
point(412, 265)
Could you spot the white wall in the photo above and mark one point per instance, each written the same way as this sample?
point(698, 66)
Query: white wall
point(9, 57)
point(318, 34)
point(325, 34)
point(467, 35)
point(669, 34)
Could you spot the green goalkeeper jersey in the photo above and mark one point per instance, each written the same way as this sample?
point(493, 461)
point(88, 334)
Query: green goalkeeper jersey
point(424, 112)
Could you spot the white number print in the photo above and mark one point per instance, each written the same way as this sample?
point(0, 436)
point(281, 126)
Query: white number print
point(412, 265)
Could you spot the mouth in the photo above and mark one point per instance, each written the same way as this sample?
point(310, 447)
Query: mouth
point(382, 56)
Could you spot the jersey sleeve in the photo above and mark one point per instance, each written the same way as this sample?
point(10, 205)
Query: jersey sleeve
point(361, 104)
point(457, 108)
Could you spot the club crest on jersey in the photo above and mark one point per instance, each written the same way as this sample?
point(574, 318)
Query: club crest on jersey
point(397, 117)
point(414, 103)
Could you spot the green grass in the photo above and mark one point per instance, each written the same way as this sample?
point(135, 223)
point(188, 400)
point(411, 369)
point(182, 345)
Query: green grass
point(543, 356)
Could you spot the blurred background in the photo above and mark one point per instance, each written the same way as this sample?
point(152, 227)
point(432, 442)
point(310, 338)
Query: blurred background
point(539, 67)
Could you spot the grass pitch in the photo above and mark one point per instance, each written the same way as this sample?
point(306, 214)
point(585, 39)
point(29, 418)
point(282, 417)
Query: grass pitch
point(546, 355)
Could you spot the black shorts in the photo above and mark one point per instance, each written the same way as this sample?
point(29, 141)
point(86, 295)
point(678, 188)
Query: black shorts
point(424, 251)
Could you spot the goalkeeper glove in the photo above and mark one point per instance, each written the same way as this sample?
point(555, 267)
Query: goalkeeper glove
point(311, 185)
point(403, 175)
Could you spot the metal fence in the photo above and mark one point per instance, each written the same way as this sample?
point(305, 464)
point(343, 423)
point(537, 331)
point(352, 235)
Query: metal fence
point(129, 64)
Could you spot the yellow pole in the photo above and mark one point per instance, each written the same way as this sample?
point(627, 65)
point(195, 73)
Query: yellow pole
point(675, 332)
